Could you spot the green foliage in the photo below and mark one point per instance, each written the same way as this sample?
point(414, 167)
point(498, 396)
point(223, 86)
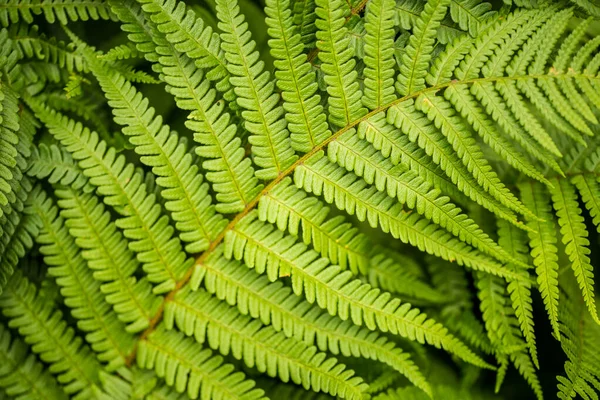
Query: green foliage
point(353, 199)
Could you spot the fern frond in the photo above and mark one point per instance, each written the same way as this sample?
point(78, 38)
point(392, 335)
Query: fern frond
point(123, 189)
point(466, 104)
point(62, 11)
point(22, 375)
point(108, 255)
point(259, 347)
point(10, 67)
point(17, 246)
point(296, 79)
point(353, 195)
point(13, 215)
point(82, 293)
point(587, 186)
point(498, 110)
point(122, 52)
point(441, 113)
point(37, 45)
point(276, 305)
point(189, 368)
point(304, 18)
point(191, 36)
point(134, 23)
point(186, 196)
point(514, 240)
point(56, 165)
point(472, 15)
point(49, 336)
point(580, 337)
point(564, 117)
point(542, 240)
point(442, 68)
point(268, 251)
point(487, 43)
point(338, 63)
point(523, 364)
point(9, 127)
point(88, 110)
point(228, 169)
point(379, 60)
point(17, 187)
point(411, 190)
point(420, 130)
point(415, 60)
point(566, 53)
point(270, 140)
point(574, 237)
point(289, 208)
point(501, 325)
point(497, 313)
point(398, 148)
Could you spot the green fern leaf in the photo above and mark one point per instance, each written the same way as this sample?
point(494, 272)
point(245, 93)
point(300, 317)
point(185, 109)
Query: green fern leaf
point(82, 294)
point(411, 190)
point(296, 80)
point(304, 18)
point(338, 64)
point(356, 197)
point(123, 188)
point(580, 335)
point(259, 347)
point(514, 241)
point(192, 37)
point(398, 148)
point(228, 169)
point(415, 60)
point(21, 375)
point(133, 21)
point(542, 240)
point(9, 126)
point(471, 15)
point(50, 337)
point(189, 368)
point(268, 251)
point(379, 61)
point(588, 188)
point(466, 104)
point(108, 255)
point(56, 165)
point(501, 325)
point(13, 249)
point(186, 197)
point(420, 130)
point(289, 208)
point(61, 11)
point(122, 52)
point(270, 138)
point(278, 306)
point(444, 118)
point(574, 237)
point(388, 274)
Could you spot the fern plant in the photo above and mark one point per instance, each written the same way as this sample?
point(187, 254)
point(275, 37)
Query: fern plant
point(302, 199)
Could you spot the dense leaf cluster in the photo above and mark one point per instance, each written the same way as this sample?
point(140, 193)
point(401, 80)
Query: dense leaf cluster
point(299, 199)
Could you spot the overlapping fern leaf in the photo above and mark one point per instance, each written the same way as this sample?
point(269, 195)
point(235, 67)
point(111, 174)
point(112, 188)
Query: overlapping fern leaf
point(318, 199)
